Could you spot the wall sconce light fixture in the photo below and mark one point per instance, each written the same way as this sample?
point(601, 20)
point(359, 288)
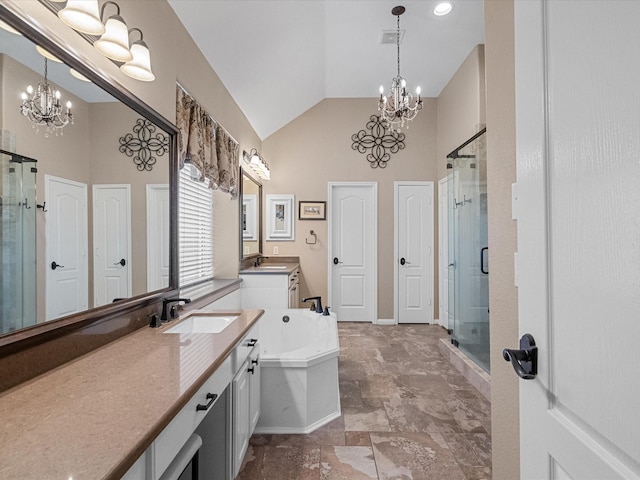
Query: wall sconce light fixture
point(139, 67)
point(83, 16)
point(114, 42)
point(255, 161)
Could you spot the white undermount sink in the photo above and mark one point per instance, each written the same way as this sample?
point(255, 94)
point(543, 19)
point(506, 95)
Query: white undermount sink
point(203, 323)
point(274, 267)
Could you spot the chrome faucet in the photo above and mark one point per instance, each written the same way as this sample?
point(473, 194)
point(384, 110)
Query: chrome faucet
point(318, 303)
point(167, 301)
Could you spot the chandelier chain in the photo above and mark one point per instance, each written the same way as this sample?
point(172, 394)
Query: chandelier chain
point(398, 44)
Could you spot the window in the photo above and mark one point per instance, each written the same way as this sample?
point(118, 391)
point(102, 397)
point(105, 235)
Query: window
point(196, 229)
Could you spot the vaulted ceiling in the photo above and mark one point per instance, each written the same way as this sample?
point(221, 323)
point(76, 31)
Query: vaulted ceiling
point(278, 58)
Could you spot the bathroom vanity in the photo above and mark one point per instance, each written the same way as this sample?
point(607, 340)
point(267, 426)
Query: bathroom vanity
point(271, 285)
point(126, 409)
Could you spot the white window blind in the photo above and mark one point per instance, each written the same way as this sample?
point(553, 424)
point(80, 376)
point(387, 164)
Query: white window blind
point(196, 230)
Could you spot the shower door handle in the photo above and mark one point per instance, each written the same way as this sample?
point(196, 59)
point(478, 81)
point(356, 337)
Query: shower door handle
point(54, 265)
point(486, 272)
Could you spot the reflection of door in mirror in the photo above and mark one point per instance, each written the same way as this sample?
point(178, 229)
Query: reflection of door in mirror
point(250, 216)
point(90, 152)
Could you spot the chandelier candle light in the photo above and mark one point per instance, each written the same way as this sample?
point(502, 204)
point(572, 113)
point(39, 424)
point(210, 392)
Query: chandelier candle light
point(399, 107)
point(42, 107)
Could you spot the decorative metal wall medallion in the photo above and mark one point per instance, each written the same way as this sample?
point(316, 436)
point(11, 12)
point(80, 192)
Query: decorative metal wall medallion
point(146, 143)
point(379, 141)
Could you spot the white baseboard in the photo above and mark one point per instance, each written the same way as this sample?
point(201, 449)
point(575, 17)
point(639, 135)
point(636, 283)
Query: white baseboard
point(386, 321)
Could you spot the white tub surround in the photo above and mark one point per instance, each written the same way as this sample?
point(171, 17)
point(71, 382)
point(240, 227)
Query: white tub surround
point(299, 360)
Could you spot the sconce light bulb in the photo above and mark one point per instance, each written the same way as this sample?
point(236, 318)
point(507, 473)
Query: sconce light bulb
point(29, 89)
point(68, 105)
point(381, 89)
point(58, 95)
point(403, 83)
point(23, 96)
point(418, 90)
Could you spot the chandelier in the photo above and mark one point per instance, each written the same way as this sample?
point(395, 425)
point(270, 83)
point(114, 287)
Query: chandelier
point(399, 107)
point(42, 107)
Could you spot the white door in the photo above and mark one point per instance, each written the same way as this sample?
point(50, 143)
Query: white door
point(111, 243)
point(158, 229)
point(353, 251)
point(241, 420)
point(414, 252)
point(66, 240)
point(443, 252)
point(578, 118)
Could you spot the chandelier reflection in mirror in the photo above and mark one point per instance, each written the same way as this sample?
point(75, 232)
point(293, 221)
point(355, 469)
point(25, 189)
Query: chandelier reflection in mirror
point(399, 107)
point(43, 108)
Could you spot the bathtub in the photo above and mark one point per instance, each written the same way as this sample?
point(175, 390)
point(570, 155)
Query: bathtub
point(299, 371)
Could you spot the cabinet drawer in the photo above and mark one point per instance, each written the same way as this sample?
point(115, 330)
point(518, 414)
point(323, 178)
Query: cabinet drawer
point(174, 436)
point(243, 349)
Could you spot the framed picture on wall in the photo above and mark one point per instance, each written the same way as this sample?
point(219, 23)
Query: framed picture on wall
point(280, 217)
point(312, 210)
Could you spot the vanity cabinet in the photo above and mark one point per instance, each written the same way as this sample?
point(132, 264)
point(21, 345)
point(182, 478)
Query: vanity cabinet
point(246, 397)
point(271, 290)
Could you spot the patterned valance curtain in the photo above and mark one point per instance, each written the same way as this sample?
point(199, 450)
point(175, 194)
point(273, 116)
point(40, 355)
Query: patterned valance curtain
point(228, 152)
point(206, 144)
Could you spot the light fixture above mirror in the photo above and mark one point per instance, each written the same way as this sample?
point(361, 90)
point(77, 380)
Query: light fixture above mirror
point(255, 162)
point(83, 16)
point(114, 42)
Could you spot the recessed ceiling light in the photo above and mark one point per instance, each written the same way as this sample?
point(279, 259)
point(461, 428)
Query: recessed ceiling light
point(442, 9)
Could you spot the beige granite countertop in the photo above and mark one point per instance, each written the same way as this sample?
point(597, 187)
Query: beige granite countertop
point(94, 416)
point(268, 268)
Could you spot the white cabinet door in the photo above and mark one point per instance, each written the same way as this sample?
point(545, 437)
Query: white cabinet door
point(254, 389)
point(241, 395)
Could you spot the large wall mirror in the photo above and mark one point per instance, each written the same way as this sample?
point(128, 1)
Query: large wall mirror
point(250, 216)
point(85, 211)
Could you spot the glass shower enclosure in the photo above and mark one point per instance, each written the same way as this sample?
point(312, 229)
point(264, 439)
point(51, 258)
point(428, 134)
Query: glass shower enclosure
point(17, 241)
point(468, 267)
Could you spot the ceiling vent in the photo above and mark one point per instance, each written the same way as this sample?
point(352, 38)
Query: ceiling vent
point(389, 36)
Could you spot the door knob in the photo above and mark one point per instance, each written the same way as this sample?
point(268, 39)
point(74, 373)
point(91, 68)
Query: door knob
point(122, 262)
point(403, 261)
point(54, 265)
point(336, 261)
point(525, 360)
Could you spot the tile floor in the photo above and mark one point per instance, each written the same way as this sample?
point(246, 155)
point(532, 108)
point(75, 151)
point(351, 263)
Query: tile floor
point(407, 414)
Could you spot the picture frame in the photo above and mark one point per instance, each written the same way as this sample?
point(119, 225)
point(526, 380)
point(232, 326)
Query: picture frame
point(280, 224)
point(312, 210)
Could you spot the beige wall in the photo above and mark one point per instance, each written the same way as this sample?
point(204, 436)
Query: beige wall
point(501, 172)
point(314, 149)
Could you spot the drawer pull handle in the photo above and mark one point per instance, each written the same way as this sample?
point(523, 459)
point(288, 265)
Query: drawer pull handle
point(211, 397)
point(252, 342)
point(254, 361)
point(251, 370)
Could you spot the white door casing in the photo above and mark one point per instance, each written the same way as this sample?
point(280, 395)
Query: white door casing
point(111, 243)
point(443, 252)
point(158, 228)
point(66, 245)
point(576, 205)
point(413, 252)
point(353, 242)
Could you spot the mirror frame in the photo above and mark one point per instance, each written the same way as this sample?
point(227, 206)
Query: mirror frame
point(259, 209)
point(35, 334)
